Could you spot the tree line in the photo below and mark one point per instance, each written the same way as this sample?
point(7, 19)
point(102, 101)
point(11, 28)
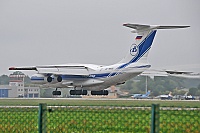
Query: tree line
point(163, 85)
point(4, 79)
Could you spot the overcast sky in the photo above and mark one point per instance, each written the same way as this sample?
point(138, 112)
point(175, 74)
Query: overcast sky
point(42, 32)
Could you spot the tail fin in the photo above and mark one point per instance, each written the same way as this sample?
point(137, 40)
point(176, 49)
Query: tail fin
point(145, 35)
point(148, 93)
point(170, 94)
point(186, 94)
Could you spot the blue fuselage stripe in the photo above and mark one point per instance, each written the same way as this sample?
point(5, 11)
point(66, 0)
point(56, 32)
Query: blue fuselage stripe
point(144, 46)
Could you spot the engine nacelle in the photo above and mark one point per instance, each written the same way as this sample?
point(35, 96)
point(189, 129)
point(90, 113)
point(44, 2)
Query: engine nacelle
point(49, 79)
point(54, 78)
point(41, 79)
point(59, 78)
point(38, 78)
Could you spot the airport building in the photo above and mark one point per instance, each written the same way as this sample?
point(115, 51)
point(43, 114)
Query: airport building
point(7, 91)
point(16, 88)
point(31, 92)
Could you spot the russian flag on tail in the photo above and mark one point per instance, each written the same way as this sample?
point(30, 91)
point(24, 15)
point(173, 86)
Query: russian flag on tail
point(138, 38)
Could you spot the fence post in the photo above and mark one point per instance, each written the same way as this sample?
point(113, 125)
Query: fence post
point(155, 118)
point(42, 118)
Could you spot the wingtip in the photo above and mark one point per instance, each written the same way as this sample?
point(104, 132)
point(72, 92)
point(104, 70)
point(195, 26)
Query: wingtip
point(11, 68)
point(125, 24)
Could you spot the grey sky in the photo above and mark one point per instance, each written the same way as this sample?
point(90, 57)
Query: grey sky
point(35, 32)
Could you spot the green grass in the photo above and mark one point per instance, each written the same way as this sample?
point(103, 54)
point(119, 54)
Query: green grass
point(106, 117)
point(77, 102)
point(180, 121)
point(98, 119)
point(18, 120)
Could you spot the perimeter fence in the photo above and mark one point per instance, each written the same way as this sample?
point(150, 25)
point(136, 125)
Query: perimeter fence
point(98, 119)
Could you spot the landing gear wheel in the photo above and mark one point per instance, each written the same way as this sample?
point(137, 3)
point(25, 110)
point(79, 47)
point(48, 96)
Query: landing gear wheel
point(78, 92)
point(101, 92)
point(84, 92)
point(56, 92)
point(105, 92)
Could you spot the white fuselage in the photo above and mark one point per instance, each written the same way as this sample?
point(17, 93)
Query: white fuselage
point(100, 77)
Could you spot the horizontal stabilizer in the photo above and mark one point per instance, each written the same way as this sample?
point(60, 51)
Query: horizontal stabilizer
point(177, 72)
point(163, 73)
point(142, 28)
point(171, 27)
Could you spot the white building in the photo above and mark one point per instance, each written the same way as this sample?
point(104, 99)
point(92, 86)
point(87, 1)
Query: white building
point(8, 91)
point(16, 88)
point(31, 92)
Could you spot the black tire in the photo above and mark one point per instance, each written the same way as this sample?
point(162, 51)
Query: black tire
point(102, 92)
point(56, 92)
point(105, 92)
point(84, 92)
point(72, 92)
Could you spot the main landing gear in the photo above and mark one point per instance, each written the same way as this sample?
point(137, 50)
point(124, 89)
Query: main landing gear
point(101, 92)
point(81, 92)
point(56, 92)
point(78, 92)
point(84, 92)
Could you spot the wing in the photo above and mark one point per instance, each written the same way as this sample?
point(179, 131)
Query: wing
point(64, 70)
point(57, 69)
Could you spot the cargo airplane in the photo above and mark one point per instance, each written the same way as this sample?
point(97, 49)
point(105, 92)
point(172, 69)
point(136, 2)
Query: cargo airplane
point(97, 77)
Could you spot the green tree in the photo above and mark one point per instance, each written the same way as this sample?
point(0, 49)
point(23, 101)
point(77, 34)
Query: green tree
point(160, 85)
point(155, 92)
point(4, 80)
point(27, 79)
point(193, 91)
point(127, 85)
point(198, 87)
point(161, 88)
point(18, 73)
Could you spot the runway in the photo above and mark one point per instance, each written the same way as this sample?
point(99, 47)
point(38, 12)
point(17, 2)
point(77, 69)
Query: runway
point(99, 99)
point(97, 102)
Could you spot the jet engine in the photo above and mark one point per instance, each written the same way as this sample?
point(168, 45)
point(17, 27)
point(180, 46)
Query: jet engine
point(54, 78)
point(59, 78)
